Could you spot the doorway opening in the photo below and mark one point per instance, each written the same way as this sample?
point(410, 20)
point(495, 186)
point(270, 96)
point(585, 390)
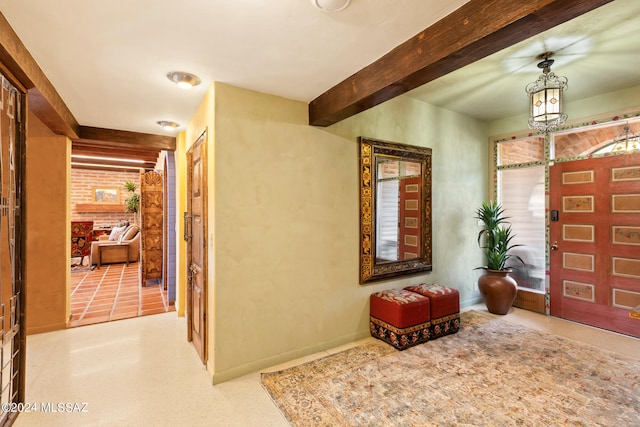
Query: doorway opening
point(127, 272)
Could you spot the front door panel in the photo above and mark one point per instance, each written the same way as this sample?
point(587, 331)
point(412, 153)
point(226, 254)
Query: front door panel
point(595, 270)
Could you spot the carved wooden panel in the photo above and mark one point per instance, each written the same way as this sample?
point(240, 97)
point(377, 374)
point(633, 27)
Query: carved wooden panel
point(151, 194)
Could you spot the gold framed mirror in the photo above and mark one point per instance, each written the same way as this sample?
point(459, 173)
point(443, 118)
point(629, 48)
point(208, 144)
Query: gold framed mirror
point(395, 209)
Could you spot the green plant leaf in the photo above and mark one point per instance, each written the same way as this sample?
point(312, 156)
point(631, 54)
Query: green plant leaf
point(131, 203)
point(497, 237)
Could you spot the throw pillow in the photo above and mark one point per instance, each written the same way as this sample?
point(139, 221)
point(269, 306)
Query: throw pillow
point(116, 232)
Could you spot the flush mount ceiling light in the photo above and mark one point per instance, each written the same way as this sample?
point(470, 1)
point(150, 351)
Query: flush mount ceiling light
point(168, 125)
point(331, 5)
point(184, 80)
point(546, 110)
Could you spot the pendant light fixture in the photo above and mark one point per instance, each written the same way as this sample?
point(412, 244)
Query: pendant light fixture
point(629, 141)
point(546, 107)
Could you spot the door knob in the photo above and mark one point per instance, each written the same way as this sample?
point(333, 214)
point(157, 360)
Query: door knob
point(554, 246)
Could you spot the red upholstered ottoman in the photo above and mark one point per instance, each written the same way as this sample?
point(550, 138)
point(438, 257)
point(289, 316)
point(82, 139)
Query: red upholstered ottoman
point(445, 307)
point(399, 317)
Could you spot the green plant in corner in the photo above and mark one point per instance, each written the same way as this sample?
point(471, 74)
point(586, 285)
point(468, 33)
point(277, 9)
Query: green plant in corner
point(497, 237)
point(497, 288)
point(132, 202)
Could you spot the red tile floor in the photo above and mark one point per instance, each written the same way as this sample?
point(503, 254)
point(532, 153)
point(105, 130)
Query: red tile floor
point(113, 292)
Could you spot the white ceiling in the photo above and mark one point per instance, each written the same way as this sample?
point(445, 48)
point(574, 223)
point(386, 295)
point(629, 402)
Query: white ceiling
point(108, 59)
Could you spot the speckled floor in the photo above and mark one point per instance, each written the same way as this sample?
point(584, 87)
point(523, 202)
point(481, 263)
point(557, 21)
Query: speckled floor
point(143, 372)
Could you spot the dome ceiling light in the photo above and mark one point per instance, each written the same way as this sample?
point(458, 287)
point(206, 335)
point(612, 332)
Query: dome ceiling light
point(331, 5)
point(183, 79)
point(168, 125)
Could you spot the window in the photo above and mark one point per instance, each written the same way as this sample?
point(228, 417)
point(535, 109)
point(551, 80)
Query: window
point(521, 191)
point(522, 196)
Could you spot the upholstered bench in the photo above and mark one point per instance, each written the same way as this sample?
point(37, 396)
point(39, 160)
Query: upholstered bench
point(444, 307)
point(399, 317)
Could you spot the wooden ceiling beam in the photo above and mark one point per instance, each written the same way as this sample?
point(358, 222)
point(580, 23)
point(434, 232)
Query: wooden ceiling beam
point(102, 151)
point(44, 101)
point(124, 168)
point(476, 30)
point(115, 162)
point(121, 138)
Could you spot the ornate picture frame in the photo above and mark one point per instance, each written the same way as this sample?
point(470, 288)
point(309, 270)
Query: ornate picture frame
point(371, 267)
point(105, 195)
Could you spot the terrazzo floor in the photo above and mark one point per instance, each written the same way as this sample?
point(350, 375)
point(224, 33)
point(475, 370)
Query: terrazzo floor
point(143, 372)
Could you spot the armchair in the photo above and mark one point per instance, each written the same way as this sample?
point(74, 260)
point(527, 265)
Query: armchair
point(131, 235)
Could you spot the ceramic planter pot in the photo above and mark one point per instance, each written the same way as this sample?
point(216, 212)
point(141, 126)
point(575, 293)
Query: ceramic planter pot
point(498, 290)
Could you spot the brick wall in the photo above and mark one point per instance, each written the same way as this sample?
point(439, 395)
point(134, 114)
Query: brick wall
point(521, 151)
point(83, 182)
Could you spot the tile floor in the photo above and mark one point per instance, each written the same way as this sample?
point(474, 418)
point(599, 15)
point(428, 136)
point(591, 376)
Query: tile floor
point(113, 292)
point(143, 372)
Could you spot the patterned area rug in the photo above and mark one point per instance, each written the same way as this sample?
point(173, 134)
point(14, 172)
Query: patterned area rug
point(492, 372)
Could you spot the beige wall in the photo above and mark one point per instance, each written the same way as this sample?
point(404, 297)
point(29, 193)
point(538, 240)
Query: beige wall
point(285, 278)
point(48, 228)
point(203, 120)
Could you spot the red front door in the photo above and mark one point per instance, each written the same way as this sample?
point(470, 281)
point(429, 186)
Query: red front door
point(595, 241)
point(409, 221)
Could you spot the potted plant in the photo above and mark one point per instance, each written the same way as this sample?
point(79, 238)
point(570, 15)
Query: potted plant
point(132, 202)
point(496, 286)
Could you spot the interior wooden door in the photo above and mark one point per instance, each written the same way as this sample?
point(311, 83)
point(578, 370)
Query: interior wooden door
point(196, 236)
point(595, 241)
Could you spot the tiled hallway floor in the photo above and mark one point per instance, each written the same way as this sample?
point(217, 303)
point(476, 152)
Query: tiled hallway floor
point(113, 292)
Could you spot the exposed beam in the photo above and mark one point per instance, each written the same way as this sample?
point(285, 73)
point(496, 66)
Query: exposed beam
point(101, 151)
point(477, 29)
point(115, 162)
point(44, 100)
point(124, 139)
point(107, 168)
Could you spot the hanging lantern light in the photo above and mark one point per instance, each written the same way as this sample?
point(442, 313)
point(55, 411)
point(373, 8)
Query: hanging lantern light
point(546, 110)
point(627, 142)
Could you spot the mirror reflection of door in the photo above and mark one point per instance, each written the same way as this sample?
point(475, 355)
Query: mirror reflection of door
point(398, 209)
